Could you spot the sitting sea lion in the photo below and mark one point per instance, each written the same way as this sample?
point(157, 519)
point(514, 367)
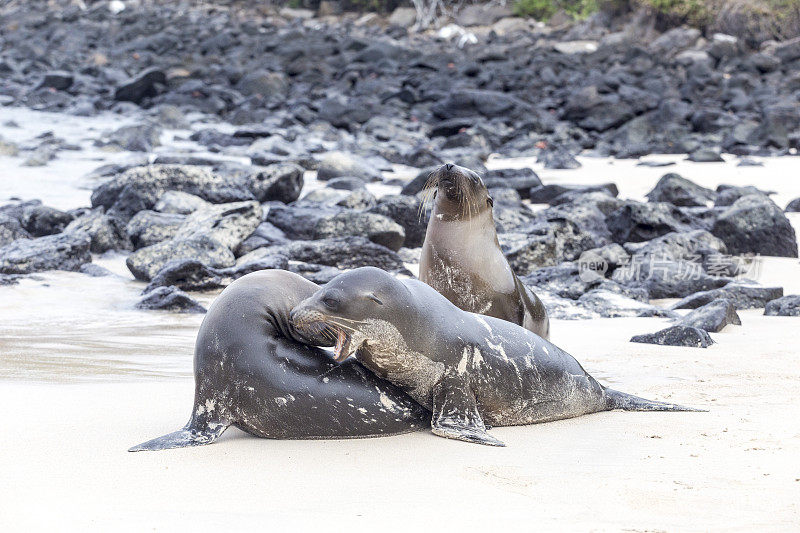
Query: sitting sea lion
point(461, 256)
point(253, 370)
point(468, 369)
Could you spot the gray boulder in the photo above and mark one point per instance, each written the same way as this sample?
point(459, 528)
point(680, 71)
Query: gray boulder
point(11, 230)
point(340, 252)
point(106, 232)
point(281, 182)
point(150, 227)
point(712, 317)
point(179, 203)
point(377, 228)
point(755, 224)
point(741, 295)
point(677, 336)
point(637, 222)
point(209, 235)
point(408, 212)
point(170, 299)
point(140, 188)
point(676, 190)
point(193, 275)
point(65, 251)
point(341, 164)
point(786, 306)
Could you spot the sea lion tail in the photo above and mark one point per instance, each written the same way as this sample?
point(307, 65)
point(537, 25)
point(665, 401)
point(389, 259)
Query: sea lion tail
point(629, 402)
point(188, 436)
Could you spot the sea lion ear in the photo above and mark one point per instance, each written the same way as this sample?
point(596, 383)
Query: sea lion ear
point(490, 201)
point(374, 298)
point(434, 193)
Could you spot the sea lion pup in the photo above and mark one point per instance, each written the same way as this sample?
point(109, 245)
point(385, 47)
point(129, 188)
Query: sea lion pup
point(470, 370)
point(461, 256)
point(253, 370)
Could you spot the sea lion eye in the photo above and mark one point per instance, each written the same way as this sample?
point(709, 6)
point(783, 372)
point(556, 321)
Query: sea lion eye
point(374, 298)
point(330, 302)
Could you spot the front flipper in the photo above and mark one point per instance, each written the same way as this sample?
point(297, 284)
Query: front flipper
point(455, 412)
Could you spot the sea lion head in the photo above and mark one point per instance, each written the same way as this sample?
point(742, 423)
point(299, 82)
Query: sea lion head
point(351, 308)
point(459, 193)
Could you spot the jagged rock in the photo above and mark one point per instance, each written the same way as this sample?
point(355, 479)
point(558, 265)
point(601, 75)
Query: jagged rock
point(548, 245)
point(95, 271)
point(706, 155)
point(340, 164)
point(263, 83)
point(666, 278)
point(209, 235)
point(65, 251)
point(298, 221)
point(58, 80)
point(677, 336)
point(467, 103)
point(281, 182)
point(741, 295)
point(140, 188)
point(342, 252)
point(319, 274)
point(170, 299)
point(505, 196)
point(192, 275)
point(179, 203)
point(610, 304)
point(347, 184)
point(636, 222)
point(140, 87)
point(788, 305)
point(691, 245)
point(793, 206)
point(544, 194)
point(359, 200)
point(137, 138)
point(11, 230)
point(409, 213)
point(106, 232)
point(559, 159)
point(755, 224)
point(41, 220)
point(520, 179)
point(712, 317)
point(265, 234)
point(676, 190)
point(728, 194)
point(377, 228)
point(150, 227)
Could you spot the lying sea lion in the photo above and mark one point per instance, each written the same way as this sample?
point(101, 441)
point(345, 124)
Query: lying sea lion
point(461, 256)
point(253, 370)
point(469, 370)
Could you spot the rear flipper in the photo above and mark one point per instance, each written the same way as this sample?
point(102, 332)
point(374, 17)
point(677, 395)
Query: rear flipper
point(188, 436)
point(629, 402)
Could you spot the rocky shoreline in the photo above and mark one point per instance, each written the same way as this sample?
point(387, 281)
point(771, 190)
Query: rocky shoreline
point(268, 100)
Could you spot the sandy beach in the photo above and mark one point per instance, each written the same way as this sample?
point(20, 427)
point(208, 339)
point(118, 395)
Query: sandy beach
point(734, 468)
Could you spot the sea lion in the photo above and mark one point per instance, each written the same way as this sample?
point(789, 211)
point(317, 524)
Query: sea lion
point(470, 370)
point(461, 256)
point(253, 370)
